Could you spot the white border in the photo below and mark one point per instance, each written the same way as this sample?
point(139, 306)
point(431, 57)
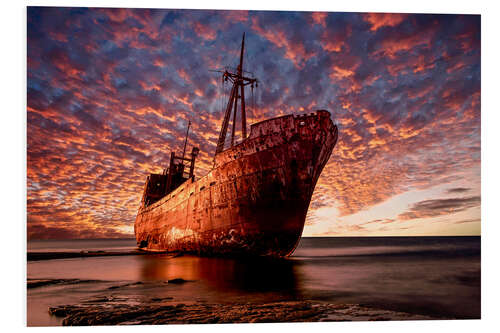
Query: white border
point(13, 134)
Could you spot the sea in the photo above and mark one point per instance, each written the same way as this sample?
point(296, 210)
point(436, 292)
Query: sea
point(437, 277)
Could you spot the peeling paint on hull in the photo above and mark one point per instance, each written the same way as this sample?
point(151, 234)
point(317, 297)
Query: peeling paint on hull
point(255, 199)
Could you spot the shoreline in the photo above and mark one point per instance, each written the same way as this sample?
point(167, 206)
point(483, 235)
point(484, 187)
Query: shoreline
point(329, 280)
point(36, 256)
point(97, 313)
point(113, 305)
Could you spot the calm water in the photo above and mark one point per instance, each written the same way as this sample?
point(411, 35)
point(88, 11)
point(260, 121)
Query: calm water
point(435, 276)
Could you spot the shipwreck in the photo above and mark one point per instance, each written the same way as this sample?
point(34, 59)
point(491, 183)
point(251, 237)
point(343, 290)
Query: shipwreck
point(255, 198)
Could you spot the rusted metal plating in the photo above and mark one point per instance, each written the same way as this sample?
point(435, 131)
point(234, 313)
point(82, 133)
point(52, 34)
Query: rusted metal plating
point(255, 199)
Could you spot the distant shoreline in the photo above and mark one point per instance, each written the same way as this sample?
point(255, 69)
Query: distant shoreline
point(34, 256)
point(99, 250)
point(331, 236)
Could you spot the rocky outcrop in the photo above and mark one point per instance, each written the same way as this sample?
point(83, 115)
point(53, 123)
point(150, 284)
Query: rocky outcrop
point(98, 313)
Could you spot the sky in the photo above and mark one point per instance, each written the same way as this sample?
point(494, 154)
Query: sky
point(110, 91)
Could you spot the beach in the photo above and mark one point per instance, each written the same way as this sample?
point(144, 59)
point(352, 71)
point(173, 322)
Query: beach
point(109, 282)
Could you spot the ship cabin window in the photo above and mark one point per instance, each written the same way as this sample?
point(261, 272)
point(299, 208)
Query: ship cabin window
point(202, 188)
point(212, 183)
point(190, 194)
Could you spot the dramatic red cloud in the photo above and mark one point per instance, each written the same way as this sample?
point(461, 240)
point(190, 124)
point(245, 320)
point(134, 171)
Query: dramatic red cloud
point(294, 51)
point(110, 92)
point(379, 20)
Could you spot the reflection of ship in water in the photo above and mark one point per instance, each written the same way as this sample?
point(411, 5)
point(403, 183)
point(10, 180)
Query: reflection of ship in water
point(217, 275)
point(255, 198)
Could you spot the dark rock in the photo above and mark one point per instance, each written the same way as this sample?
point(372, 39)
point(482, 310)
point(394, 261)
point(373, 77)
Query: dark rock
point(156, 299)
point(61, 311)
point(157, 314)
point(178, 281)
point(34, 283)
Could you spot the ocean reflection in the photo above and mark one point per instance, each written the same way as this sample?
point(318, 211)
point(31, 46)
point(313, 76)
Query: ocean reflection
point(224, 274)
point(435, 276)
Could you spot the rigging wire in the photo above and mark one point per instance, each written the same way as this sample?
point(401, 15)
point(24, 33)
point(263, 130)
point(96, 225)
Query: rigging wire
point(221, 95)
point(253, 103)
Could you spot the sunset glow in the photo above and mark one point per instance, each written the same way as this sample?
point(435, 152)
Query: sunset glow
point(110, 92)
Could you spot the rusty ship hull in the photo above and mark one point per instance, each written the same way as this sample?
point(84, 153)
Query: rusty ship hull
point(255, 199)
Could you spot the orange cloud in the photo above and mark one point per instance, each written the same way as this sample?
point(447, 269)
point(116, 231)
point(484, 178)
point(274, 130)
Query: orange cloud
point(379, 20)
point(319, 18)
point(205, 31)
point(402, 41)
point(293, 51)
point(106, 105)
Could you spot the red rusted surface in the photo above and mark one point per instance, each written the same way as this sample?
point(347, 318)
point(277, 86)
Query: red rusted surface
point(255, 199)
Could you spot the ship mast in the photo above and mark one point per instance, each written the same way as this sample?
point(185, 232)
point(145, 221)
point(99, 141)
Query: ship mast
point(237, 91)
